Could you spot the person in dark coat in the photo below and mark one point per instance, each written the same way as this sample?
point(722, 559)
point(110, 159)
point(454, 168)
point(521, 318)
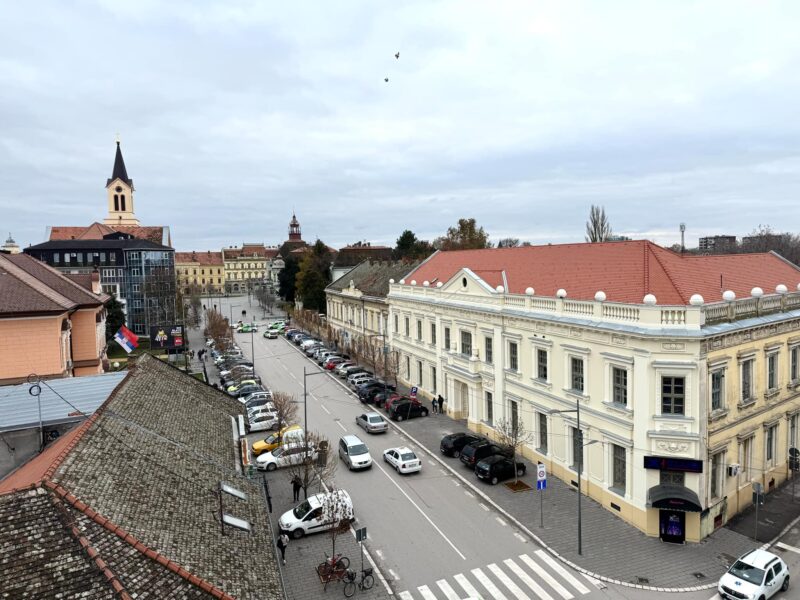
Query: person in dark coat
point(283, 542)
point(297, 485)
point(441, 404)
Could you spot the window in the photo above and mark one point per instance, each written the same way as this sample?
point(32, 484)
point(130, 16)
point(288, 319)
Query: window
point(396, 326)
point(771, 438)
point(408, 367)
point(794, 364)
point(717, 389)
point(513, 356)
point(447, 338)
point(408, 326)
point(419, 372)
point(619, 469)
point(112, 258)
point(122, 202)
point(717, 462)
point(542, 417)
point(673, 395)
point(576, 373)
point(66, 258)
point(746, 368)
point(541, 364)
point(135, 287)
point(772, 372)
point(56, 258)
point(116, 202)
point(620, 385)
point(79, 256)
point(793, 431)
point(433, 379)
point(466, 343)
point(433, 333)
point(672, 478)
point(419, 330)
point(135, 272)
point(746, 458)
point(514, 414)
point(487, 349)
point(489, 408)
point(577, 449)
point(103, 258)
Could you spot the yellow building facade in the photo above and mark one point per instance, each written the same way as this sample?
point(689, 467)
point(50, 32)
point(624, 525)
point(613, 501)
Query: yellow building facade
point(202, 271)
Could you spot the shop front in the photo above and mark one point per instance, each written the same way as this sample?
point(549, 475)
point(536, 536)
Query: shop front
point(672, 502)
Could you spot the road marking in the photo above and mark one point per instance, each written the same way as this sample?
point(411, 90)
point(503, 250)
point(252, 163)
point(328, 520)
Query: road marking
point(395, 578)
point(455, 483)
point(513, 587)
point(501, 521)
point(430, 462)
point(715, 597)
point(548, 579)
point(379, 553)
point(788, 547)
point(442, 471)
point(467, 586)
point(325, 409)
point(405, 595)
point(339, 423)
point(291, 374)
point(595, 582)
point(426, 592)
point(556, 566)
point(448, 591)
point(487, 583)
point(520, 537)
point(422, 512)
point(483, 506)
point(468, 493)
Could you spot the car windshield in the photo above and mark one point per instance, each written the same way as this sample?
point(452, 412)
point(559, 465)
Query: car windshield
point(301, 511)
point(358, 449)
point(273, 438)
point(277, 452)
point(376, 419)
point(747, 572)
point(408, 456)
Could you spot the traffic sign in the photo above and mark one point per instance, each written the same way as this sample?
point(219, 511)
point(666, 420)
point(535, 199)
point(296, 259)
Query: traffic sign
point(361, 534)
point(794, 452)
point(413, 393)
point(541, 472)
point(541, 484)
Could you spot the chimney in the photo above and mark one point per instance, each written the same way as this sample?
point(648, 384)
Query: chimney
point(96, 289)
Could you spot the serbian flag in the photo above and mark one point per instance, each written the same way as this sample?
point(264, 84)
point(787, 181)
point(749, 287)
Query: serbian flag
point(127, 339)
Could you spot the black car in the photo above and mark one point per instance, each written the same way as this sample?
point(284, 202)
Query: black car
point(367, 393)
point(473, 453)
point(497, 468)
point(246, 390)
point(452, 444)
point(407, 410)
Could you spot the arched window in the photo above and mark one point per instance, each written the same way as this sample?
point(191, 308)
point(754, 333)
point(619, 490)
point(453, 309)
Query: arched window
point(116, 201)
point(122, 201)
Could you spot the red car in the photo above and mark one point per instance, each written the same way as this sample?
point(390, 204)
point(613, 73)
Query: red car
point(388, 404)
point(332, 363)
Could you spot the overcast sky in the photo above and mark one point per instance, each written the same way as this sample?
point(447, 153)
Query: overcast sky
point(520, 114)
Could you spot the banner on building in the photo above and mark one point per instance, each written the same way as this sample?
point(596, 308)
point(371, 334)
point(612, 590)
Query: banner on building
point(168, 336)
point(127, 339)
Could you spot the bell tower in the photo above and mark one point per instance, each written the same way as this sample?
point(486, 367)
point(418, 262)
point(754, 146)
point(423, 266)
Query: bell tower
point(294, 230)
point(120, 194)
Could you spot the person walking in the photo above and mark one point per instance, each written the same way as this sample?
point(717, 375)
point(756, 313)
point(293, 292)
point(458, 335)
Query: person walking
point(283, 542)
point(441, 404)
point(297, 485)
point(433, 404)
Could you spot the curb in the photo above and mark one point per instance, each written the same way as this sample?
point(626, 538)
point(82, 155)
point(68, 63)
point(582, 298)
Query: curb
point(524, 528)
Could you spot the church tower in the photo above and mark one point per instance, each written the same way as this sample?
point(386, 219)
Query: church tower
point(294, 230)
point(120, 195)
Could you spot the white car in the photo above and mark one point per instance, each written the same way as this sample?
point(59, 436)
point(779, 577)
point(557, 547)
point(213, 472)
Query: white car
point(284, 456)
point(264, 421)
point(403, 460)
point(339, 369)
point(254, 411)
point(357, 381)
point(757, 575)
point(309, 516)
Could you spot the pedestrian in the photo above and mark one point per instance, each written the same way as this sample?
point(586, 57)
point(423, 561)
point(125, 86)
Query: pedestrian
point(283, 541)
point(297, 485)
point(434, 405)
point(441, 404)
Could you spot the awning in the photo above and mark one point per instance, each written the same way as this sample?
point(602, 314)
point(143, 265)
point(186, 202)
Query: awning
point(673, 497)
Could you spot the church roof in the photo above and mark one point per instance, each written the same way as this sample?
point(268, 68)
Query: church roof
point(119, 172)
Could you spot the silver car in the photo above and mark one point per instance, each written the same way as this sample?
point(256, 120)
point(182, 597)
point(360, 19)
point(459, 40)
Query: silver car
point(372, 422)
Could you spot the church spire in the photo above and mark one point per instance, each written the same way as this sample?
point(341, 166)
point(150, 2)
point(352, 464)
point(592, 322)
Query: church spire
point(294, 229)
point(119, 169)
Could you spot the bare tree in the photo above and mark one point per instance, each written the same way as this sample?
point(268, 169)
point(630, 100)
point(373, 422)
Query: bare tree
point(218, 329)
point(598, 229)
point(316, 470)
point(337, 514)
point(285, 407)
point(512, 433)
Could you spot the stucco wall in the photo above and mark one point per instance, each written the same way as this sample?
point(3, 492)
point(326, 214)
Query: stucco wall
point(31, 345)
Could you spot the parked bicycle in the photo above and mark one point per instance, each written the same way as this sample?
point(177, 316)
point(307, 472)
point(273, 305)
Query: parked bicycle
point(365, 583)
point(333, 564)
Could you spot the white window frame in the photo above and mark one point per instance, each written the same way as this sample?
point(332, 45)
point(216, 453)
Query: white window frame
point(794, 364)
point(549, 372)
point(770, 445)
point(488, 349)
point(584, 370)
point(720, 458)
point(611, 484)
point(542, 446)
point(751, 361)
point(721, 372)
point(510, 366)
point(776, 372)
point(488, 407)
point(746, 457)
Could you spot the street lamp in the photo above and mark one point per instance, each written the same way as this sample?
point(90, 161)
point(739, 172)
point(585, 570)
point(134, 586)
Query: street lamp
point(581, 445)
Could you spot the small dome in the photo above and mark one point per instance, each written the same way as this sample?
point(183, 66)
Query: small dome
point(649, 299)
point(696, 300)
point(529, 291)
point(438, 284)
point(729, 295)
point(413, 282)
point(600, 296)
point(391, 281)
point(781, 289)
point(756, 292)
point(402, 282)
point(426, 283)
point(500, 289)
point(561, 293)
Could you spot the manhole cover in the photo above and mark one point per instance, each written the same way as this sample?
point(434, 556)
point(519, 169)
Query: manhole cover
point(699, 575)
point(642, 580)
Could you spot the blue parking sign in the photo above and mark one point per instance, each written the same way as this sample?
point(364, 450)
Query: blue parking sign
point(413, 393)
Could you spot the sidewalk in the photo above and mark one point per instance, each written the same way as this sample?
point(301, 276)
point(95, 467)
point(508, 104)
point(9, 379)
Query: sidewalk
point(780, 509)
point(612, 550)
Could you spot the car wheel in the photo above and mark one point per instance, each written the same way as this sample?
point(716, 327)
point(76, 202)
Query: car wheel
point(298, 533)
point(399, 417)
point(785, 585)
point(424, 412)
point(397, 468)
point(494, 480)
point(456, 453)
point(271, 467)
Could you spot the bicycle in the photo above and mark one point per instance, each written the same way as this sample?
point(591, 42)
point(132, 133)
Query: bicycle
point(333, 564)
point(365, 583)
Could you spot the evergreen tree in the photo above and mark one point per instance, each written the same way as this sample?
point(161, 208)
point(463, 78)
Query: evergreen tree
point(313, 277)
point(115, 318)
point(287, 278)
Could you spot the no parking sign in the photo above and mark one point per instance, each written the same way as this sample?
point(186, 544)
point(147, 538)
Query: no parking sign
point(413, 393)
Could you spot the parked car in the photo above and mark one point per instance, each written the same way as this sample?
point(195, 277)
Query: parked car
point(354, 452)
point(372, 422)
point(252, 411)
point(288, 433)
point(307, 517)
point(403, 460)
point(360, 378)
point(350, 371)
point(271, 334)
point(380, 398)
point(331, 362)
point(340, 368)
point(758, 574)
point(262, 421)
point(258, 402)
point(497, 468)
point(395, 399)
point(407, 410)
point(289, 454)
point(256, 396)
point(312, 349)
point(308, 342)
point(452, 443)
point(473, 453)
point(246, 390)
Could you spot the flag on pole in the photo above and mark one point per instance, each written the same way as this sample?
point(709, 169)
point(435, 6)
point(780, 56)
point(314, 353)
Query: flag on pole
point(127, 339)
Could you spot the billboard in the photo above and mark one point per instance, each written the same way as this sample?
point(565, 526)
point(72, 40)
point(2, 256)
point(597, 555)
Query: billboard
point(167, 336)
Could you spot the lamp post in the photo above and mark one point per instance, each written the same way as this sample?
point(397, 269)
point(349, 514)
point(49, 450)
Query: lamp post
point(581, 445)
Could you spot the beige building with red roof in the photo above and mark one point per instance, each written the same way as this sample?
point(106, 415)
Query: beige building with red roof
point(685, 369)
point(203, 271)
point(246, 268)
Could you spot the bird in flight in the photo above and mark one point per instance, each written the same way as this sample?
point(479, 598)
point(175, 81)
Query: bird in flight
point(397, 55)
point(386, 79)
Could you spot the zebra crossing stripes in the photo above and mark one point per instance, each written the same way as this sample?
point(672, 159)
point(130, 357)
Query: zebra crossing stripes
point(426, 592)
point(513, 587)
point(466, 586)
point(566, 575)
point(489, 585)
point(406, 595)
point(528, 580)
point(449, 592)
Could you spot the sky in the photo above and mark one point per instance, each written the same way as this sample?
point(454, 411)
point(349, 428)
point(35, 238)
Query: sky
point(234, 114)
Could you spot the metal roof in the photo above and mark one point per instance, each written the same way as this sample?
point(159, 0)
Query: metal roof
point(19, 409)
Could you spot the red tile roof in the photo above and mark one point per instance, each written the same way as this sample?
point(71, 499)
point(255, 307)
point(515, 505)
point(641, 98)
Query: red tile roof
point(248, 250)
point(96, 231)
point(625, 271)
point(201, 258)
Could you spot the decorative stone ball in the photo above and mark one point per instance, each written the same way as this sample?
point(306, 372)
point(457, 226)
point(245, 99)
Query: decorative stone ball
point(650, 300)
point(413, 282)
point(561, 293)
point(696, 300)
point(600, 296)
point(438, 284)
point(426, 283)
point(402, 282)
point(391, 281)
point(500, 289)
point(781, 289)
point(529, 291)
point(729, 295)
point(756, 292)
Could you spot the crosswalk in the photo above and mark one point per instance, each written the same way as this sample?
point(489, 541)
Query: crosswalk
point(539, 577)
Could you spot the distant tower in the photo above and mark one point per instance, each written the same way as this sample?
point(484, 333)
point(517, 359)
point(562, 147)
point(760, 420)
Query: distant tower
point(10, 246)
point(120, 194)
point(294, 230)
point(683, 231)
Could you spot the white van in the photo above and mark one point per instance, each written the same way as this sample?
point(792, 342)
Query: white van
point(308, 517)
